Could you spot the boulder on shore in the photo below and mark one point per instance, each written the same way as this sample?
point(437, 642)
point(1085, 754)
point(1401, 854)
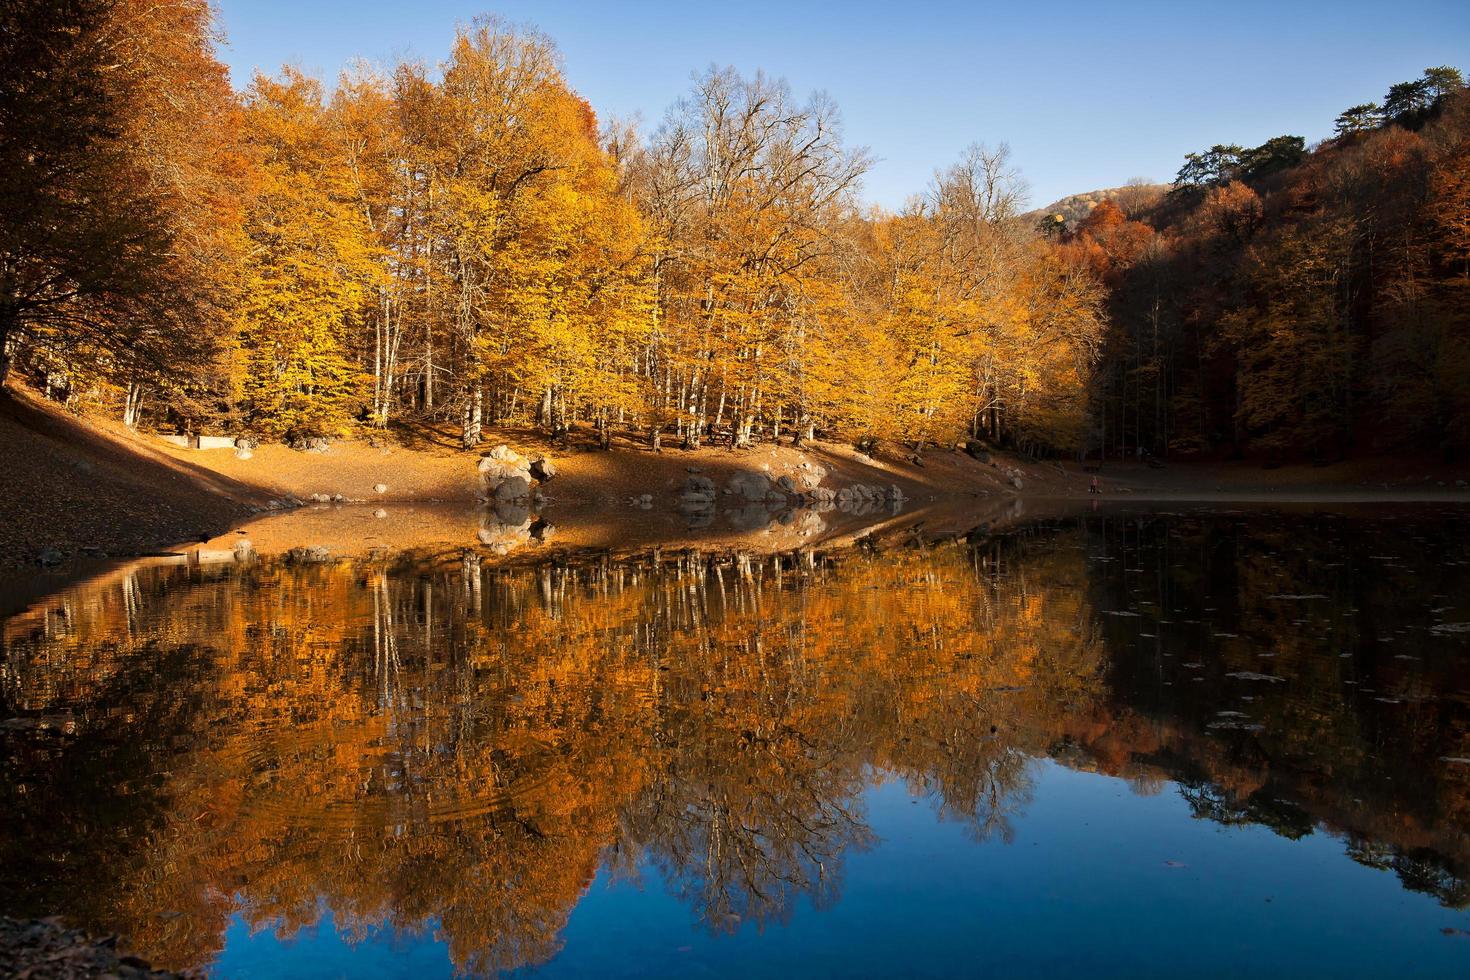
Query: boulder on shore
point(502, 464)
point(310, 444)
point(513, 488)
point(751, 486)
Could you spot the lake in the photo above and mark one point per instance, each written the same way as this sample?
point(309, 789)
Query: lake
point(1123, 741)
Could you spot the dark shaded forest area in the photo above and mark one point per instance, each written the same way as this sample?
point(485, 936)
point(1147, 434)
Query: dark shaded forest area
point(1287, 302)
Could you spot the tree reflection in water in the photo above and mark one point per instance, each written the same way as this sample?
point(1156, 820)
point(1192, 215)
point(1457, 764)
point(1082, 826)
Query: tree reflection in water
point(420, 740)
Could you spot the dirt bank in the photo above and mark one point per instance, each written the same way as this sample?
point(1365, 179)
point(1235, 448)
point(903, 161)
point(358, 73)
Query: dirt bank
point(77, 489)
point(72, 488)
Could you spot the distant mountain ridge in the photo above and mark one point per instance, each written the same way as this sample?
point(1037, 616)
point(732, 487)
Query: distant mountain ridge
point(1131, 197)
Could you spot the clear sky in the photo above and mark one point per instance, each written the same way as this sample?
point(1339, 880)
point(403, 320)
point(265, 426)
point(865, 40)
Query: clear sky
point(1088, 95)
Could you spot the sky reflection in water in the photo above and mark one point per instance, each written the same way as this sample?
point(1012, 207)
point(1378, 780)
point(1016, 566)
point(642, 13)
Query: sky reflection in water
point(1058, 749)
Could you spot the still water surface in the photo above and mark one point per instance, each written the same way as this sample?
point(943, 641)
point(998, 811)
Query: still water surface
point(1124, 744)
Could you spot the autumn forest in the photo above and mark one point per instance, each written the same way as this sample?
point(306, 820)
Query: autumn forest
point(468, 243)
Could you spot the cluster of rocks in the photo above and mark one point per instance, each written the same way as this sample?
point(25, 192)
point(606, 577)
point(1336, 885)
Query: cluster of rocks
point(44, 949)
point(506, 476)
point(510, 484)
point(867, 498)
point(757, 500)
point(309, 444)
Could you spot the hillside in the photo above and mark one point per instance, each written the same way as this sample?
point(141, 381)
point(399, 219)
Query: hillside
point(1134, 197)
point(78, 488)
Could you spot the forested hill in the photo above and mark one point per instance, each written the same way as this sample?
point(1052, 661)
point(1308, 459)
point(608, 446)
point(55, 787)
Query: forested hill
point(466, 243)
point(1134, 197)
point(1291, 302)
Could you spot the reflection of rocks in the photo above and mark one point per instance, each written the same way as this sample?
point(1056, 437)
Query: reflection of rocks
point(503, 537)
point(755, 501)
point(698, 495)
point(805, 522)
point(862, 499)
point(751, 517)
point(507, 526)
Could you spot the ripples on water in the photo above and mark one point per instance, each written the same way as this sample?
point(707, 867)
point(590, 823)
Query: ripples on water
point(431, 750)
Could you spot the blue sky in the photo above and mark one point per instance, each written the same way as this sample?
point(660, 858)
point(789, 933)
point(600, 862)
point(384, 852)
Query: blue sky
point(1088, 95)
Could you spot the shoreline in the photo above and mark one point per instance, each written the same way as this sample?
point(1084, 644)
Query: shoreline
point(448, 530)
point(87, 493)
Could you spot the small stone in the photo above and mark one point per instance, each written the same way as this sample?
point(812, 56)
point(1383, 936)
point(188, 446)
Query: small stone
point(50, 556)
point(380, 513)
point(380, 488)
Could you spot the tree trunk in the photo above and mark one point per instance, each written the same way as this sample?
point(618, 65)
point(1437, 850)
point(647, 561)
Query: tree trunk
point(7, 327)
point(470, 431)
point(133, 405)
